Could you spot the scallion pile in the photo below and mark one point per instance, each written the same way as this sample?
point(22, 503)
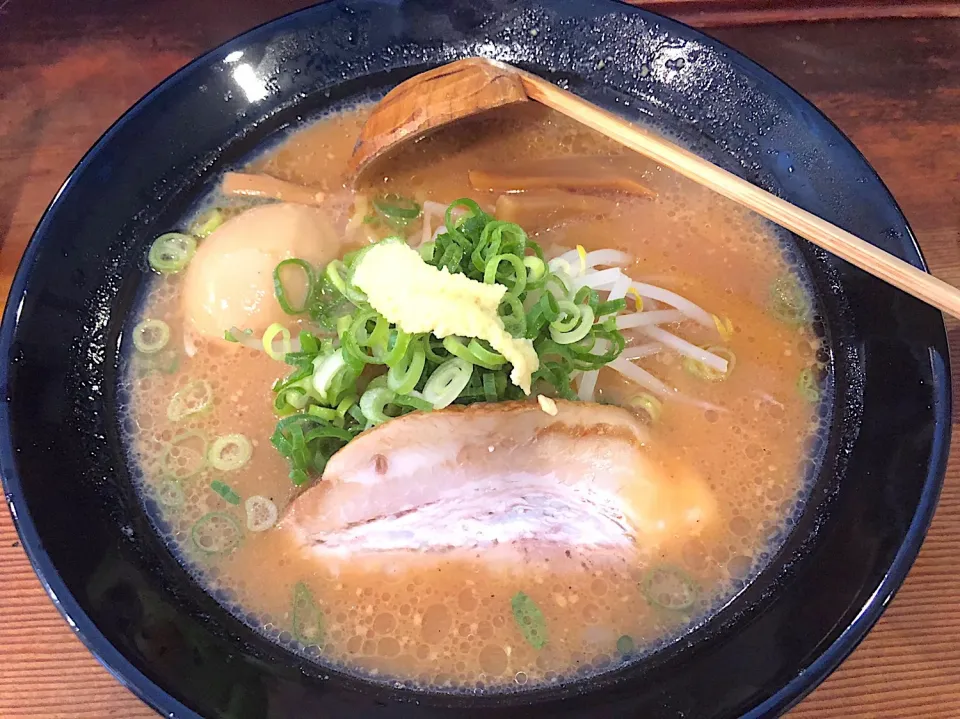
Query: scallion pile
point(371, 370)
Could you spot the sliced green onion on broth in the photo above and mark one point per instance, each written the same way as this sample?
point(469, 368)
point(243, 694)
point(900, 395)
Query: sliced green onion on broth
point(230, 452)
point(231, 334)
point(207, 223)
point(530, 620)
point(169, 494)
point(171, 252)
point(307, 618)
point(216, 533)
point(669, 587)
point(225, 491)
point(702, 371)
point(649, 404)
point(395, 210)
point(261, 512)
point(195, 397)
point(185, 456)
point(788, 301)
point(808, 385)
point(151, 336)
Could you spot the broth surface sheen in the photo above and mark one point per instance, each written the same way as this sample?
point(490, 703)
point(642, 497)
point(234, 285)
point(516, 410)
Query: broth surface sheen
point(456, 623)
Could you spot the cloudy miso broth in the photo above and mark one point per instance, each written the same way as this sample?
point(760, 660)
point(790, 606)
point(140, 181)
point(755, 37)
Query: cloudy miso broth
point(468, 601)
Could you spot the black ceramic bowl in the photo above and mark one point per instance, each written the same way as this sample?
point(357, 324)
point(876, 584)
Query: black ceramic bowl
point(68, 483)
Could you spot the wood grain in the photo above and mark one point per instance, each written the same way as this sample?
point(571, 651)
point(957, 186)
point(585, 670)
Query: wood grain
point(893, 86)
point(725, 13)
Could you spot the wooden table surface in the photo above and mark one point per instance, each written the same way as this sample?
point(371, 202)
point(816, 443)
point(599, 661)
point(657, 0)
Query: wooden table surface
point(68, 71)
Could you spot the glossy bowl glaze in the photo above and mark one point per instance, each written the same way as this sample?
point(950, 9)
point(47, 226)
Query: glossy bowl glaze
point(67, 479)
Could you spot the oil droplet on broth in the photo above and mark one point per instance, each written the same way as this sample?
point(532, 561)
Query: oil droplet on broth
point(453, 628)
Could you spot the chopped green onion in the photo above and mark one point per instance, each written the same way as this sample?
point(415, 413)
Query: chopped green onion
point(395, 210)
point(808, 386)
point(308, 442)
point(670, 588)
point(447, 382)
point(474, 353)
point(626, 645)
point(206, 223)
point(181, 460)
point(228, 335)
point(327, 414)
point(334, 275)
point(516, 282)
point(309, 343)
point(195, 397)
point(514, 319)
point(404, 374)
point(170, 494)
point(700, 370)
point(151, 336)
point(373, 402)
point(536, 270)
point(788, 301)
point(530, 620)
point(280, 289)
point(261, 512)
point(398, 342)
point(332, 376)
point(358, 338)
point(320, 402)
point(270, 334)
point(611, 307)
point(290, 399)
point(412, 401)
point(431, 345)
point(225, 491)
point(216, 533)
point(583, 325)
point(166, 361)
point(307, 617)
point(568, 316)
point(230, 452)
point(490, 387)
point(171, 252)
point(649, 404)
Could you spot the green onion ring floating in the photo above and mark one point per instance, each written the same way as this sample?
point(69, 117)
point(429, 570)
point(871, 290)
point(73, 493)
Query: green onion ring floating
point(207, 223)
point(171, 252)
point(177, 449)
point(195, 397)
point(216, 533)
point(151, 336)
point(230, 452)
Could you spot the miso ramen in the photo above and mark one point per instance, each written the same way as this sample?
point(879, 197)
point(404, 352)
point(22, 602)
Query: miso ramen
point(520, 409)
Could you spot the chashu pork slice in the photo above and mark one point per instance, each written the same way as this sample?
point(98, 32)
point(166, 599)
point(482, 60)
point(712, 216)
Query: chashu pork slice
point(503, 475)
